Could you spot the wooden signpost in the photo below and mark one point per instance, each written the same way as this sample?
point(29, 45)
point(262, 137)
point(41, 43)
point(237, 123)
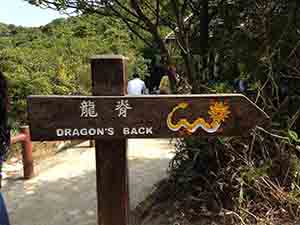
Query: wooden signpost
point(66, 117)
point(110, 118)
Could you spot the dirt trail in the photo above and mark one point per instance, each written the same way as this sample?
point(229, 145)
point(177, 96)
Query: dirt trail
point(64, 193)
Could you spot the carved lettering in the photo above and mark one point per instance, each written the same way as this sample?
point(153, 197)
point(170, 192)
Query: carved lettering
point(137, 130)
point(59, 132)
point(84, 132)
point(110, 131)
point(126, 131)
point(141, 130)
point(149, 130)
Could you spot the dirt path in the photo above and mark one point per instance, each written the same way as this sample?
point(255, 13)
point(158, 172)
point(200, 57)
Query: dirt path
point(63, 192)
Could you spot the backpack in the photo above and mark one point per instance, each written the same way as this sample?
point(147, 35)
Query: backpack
point(165, 86)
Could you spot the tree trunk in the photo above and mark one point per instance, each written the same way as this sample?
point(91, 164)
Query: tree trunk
point(204, 46)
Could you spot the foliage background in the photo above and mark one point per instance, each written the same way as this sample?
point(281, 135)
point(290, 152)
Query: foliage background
point(223, 41)
point(54, 59)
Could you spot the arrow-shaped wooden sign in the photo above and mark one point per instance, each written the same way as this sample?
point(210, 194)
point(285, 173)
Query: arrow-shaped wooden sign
point(82, 117)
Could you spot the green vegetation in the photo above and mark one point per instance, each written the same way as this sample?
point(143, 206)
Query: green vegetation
point(215, 43)
point(54, 59)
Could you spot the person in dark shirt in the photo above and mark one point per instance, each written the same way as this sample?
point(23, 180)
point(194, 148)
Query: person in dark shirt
point(158, 71)
point(4, 141)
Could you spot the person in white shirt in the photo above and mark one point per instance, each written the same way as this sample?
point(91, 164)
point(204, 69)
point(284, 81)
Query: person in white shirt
point(136, 86)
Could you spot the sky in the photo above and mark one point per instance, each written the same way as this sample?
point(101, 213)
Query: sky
point(19, 12)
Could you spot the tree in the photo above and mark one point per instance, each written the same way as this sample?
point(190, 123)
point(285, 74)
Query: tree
point(256, 41)
point(152, 20)
point(54, 59)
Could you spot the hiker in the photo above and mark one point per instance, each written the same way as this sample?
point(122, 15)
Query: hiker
point(4, 141)
point(168, 82)
point(136, 86)
point(157, 71)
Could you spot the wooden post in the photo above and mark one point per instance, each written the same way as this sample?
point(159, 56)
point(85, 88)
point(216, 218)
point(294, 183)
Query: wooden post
point(27, 153)
point(109, 77)
point(24, 138)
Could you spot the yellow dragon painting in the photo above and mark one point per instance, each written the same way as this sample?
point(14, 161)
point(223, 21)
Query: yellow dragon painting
point(218, 112)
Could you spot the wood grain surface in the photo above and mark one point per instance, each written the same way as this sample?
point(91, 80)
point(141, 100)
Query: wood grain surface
point(146, 118)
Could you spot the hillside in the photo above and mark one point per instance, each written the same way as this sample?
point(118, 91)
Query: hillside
point(54, 59)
